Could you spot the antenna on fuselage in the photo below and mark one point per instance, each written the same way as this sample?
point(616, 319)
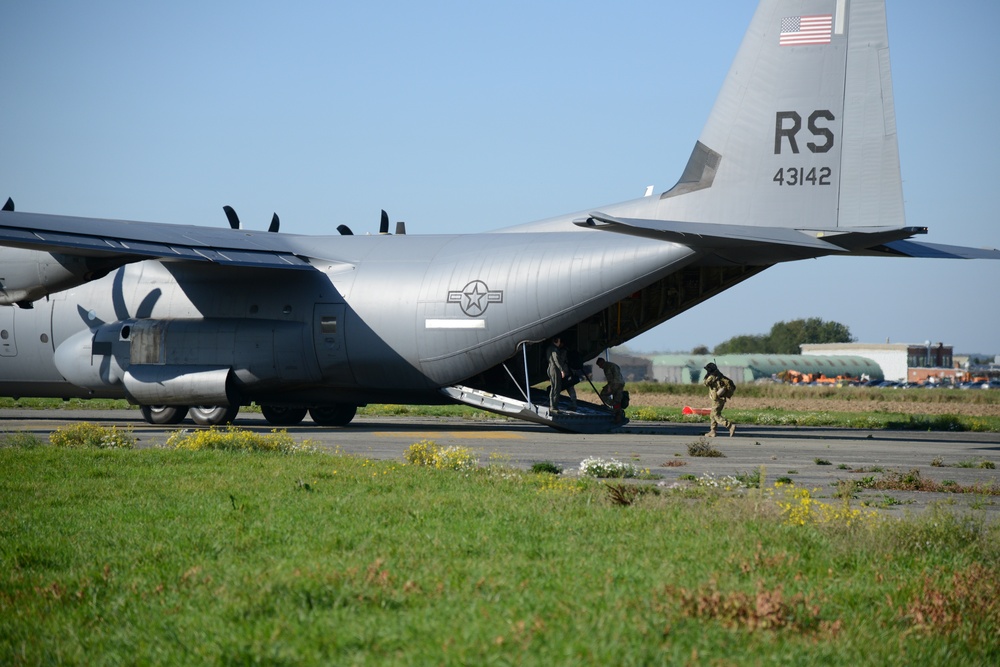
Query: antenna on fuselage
point(9, 206)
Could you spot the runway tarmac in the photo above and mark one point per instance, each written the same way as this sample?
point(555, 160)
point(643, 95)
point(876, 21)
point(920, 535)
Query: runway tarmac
point(814, 458)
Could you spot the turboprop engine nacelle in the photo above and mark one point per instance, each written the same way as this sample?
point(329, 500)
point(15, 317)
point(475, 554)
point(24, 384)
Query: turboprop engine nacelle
point(29, 275)
point(188, 361)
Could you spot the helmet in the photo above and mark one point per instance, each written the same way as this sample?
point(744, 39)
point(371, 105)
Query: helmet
point(711, 367)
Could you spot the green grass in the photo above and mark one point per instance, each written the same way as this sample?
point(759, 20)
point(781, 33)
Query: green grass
point(863, 396)
point(69, 404)
point(860, 420)
point(162, 556)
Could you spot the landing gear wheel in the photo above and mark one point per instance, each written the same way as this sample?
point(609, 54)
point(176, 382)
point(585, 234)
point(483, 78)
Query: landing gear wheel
point(213, 415)
point(333, 415)
point(163, 414)
point(278, 415)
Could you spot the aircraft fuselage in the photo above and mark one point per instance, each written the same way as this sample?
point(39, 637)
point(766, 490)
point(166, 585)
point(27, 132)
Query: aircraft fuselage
point(403, 317)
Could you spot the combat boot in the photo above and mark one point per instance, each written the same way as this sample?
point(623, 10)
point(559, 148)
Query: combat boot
point(711, 434)
point(732, 429)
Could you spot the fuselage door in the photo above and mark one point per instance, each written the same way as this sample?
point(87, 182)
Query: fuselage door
point(331, 343)
point(8, 346)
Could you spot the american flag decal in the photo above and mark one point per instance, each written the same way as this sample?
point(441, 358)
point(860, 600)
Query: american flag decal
point(799, 30)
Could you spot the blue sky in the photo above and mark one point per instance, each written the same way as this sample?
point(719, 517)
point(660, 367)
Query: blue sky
point(467, 117)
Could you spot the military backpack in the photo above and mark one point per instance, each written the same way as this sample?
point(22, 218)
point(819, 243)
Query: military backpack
point(726, 387)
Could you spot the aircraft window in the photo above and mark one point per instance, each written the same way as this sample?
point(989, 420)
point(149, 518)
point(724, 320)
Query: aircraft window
point(286, 309)
point(44, 338)
point(328, 324)
point(4, 334)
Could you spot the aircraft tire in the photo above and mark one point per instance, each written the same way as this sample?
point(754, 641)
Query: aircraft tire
point(333, 415)
point(213, 415)
point(163, 414)
point(278, 415)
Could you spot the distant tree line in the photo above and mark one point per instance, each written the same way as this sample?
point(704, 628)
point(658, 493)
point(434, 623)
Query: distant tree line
point(784, 338)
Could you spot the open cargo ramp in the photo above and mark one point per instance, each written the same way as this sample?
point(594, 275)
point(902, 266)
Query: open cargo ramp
point(587, 418)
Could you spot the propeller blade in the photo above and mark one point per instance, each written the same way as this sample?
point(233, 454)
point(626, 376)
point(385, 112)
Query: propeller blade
point(9, 206)
point(383, 227)
point(344, 230)
point(234, 221)
point(275, 223)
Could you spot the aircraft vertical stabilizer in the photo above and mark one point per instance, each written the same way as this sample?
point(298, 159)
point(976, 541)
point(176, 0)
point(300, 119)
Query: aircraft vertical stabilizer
point(803, 132)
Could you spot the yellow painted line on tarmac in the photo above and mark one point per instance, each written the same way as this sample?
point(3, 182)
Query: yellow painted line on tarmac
point(466, 435)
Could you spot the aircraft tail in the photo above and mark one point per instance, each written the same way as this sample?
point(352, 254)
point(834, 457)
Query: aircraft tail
point(803, 133)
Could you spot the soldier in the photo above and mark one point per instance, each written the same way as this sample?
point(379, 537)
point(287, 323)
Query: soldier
point(720, 389)
point(613, 392)
point(573, 375)
point(559, 372)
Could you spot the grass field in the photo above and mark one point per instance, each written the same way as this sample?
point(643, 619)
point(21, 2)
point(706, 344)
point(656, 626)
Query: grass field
point(161, 556)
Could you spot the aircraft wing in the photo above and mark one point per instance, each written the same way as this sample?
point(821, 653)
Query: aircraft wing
point(133, 241)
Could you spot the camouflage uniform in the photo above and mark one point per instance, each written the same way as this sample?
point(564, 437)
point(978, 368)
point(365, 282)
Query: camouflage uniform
point(558, 371)
point(714, 381)
point(612, 391)
point(569, 382)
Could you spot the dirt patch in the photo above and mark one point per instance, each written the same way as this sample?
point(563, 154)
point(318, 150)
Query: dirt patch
point(821, 405)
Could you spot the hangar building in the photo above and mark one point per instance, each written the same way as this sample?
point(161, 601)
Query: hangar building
point(742, 368)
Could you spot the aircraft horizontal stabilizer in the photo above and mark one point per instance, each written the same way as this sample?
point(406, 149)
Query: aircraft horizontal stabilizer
point(938, 251)
point(705, 236)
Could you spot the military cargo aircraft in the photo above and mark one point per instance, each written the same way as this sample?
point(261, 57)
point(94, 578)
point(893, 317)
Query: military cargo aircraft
point(798, 160)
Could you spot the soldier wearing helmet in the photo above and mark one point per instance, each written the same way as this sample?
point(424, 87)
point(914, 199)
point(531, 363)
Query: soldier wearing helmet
point(613, 393)
point(560, 375)
point(720, 389)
